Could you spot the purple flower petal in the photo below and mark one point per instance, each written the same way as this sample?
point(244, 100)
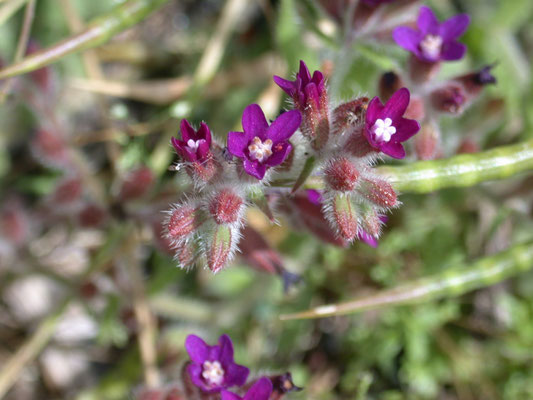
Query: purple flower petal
point(287, 86)
point(198, 350)
point(407, 38)
point(304, 72)
point(187, 131)
point(195, 373)
point(254, 122)
point(236, 375)
point(204, 133)
point(314, 196)
point(397, 104)
point(237, 143)
point(284, 126)
point(203, 149)
point(374, 111)
point(279, 155)
point(394, 150)
point(255, 168)
point(454, 27)
point(427, 21)
point(226, 349)
point(406, 128)
point(230, 396)
point(367, 238)
point(452, 51)
point(260, 390)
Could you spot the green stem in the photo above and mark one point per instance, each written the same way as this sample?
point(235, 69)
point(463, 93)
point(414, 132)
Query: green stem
point(462, 170)
point(450, 283)
point(98, 32)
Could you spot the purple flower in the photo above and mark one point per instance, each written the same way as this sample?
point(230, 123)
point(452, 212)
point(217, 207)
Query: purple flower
point(433, 41)
point(261, 390)
point(385, 127)
point(212, 368)
point(304, 88)
point(314, 196)
point(261, 146)
point(194, 146)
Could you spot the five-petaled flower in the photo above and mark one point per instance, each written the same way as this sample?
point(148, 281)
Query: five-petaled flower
point(195, 144)
point(260, 390)
point(212, 368)
point(433, 41)
point(305, 88)
point(385, 127)
point(261, 146)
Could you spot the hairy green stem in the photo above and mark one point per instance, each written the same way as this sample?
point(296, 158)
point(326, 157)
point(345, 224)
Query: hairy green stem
point(97, 32)
point(462, 170)
point(450, 283)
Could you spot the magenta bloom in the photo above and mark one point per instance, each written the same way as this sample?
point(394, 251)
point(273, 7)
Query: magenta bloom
point(261, 390)
point(212, 368)
point(261, 146)
point(304, 88)
point(194, 146)
point(385, 127)
point(433, 41)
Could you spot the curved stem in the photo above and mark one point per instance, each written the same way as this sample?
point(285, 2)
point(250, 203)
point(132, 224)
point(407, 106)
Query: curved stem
point(450, 283)
point(97, 33)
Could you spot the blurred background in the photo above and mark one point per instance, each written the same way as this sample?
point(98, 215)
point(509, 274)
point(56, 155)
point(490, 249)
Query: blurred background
point(92, 305)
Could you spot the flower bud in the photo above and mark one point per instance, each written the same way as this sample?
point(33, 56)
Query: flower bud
point(185, 254)
point(342, 215)
point(378, 192)
point(422, 71)
point(50, 149)
point(136, 183)
point(220, 243)
point(182, 222)
point(91, 215)
point(68, 191)
point(349, 114)
point(427, 141)
point(226, 206)
point(474, 82)
point(341, 175)
point(389, 83)
point(281, 385)
point(415, 109)
point(450, 99)
point(14, 223)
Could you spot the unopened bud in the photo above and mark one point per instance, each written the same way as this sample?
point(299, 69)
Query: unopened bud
point(136, 183)
point(416, 109)
point(343, 216)
point(348, 115)
point(185, 254)
point(220, 246)
point(14, 224)
point(449, 99)
point(475, 81)
point(50, 149)
point(341, 175)
point(91, 216)
point(282, 384)
point(427, 141)
point(389, 83)
point(205, 171)
point(226, 206)
point(67, 191)
point(421, 71)
point(182, 222)
point(378, 192)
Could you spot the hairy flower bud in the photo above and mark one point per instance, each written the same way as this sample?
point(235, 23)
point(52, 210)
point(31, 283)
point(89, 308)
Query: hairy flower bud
point(389, 83)
point(220, 244)
point(185, 254)
point(182, 222)
point(378, 192)
point(136, 183)
point(348, 115)
point(226, 206)
point(342, 215)
point(474, 82)
point(68, 191)
point(450, 99)
point(427, 141)
point(50, 149)
point(341, 175)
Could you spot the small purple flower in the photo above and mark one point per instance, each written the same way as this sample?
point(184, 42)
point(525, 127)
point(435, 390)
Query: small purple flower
point(261, 146)
point(261, 390)
point(366, 237)
point(194, 146)
point(385, 126)
point(314, 196)
point(212, 368)
point(433, 41)
point(304, 88)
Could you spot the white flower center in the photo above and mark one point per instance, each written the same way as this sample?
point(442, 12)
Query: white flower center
point(431, 46)
point(213, 373)
point(193, 144)
point(260, 150)
point(384, 130)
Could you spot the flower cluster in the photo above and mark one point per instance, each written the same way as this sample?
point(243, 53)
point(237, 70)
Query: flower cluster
point(430, 44)
point(337, 144)
point(212, 372)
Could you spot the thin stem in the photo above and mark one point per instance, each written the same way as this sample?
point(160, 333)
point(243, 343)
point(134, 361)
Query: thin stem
point(97, 33)
point(22, 44)
point(450, 283)
point(9, 9)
